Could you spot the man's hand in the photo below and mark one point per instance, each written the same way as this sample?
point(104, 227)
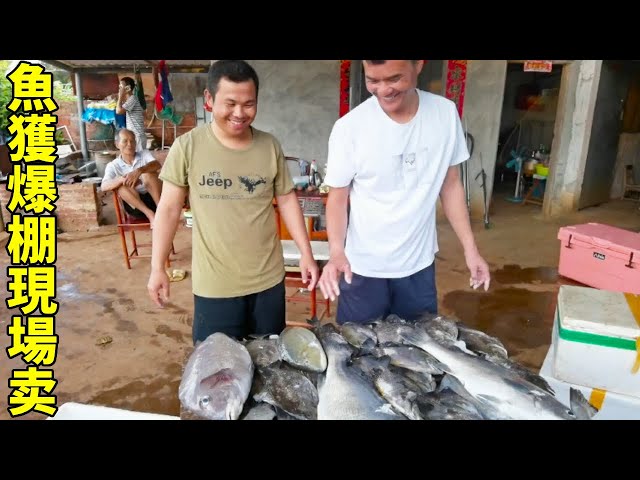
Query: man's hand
point(479, 270)
point(158, 287)
point(132, 178)
point(309, 268)
point(329, 280)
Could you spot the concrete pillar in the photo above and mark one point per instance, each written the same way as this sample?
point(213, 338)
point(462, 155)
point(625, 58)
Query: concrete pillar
point(481, 116)
point(572, 132)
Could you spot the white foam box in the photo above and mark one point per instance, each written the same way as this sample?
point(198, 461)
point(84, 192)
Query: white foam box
point(596, 339)
point(610, 405)
point(81, 411)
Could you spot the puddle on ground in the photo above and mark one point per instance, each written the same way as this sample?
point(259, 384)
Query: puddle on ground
point(69, 292)
point(512, 274)
point(176, 335)
point(521, 319)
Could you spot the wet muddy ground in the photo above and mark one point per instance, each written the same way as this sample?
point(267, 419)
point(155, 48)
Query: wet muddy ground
point(140, 368)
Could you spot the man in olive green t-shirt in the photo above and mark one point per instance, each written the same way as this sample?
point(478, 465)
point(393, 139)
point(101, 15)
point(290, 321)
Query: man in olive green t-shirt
point(231, 172)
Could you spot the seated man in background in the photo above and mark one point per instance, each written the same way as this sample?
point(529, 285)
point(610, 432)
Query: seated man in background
point(134, 175)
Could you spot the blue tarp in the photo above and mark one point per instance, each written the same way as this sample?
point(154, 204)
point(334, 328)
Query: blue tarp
point(102, 115)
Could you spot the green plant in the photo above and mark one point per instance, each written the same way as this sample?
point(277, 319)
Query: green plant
point(6, 93)
point(62, 92)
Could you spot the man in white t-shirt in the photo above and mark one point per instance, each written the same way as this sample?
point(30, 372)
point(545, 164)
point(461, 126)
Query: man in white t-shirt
point(135, 176)
point(389, 160)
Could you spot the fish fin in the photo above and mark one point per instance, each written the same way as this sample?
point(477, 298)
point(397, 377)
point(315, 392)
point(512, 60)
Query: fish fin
point(463, 346)
point(415, 336)
point(580, 406)
point(385, 360)
point(452, 382)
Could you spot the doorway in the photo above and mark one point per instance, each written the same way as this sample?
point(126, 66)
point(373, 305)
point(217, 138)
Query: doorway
point(525, 138)
point(608, 116)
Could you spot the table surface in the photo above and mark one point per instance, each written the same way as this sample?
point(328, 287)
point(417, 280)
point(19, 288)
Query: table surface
point(320, 250)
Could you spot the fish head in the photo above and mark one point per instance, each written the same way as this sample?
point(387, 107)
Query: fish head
point(219, 396)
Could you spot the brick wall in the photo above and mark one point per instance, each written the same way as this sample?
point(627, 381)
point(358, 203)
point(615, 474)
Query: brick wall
point(78, 208)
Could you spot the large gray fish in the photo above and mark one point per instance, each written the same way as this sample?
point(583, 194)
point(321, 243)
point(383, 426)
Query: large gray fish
point(264, 351)
point(521, 370)
point(360, 336)
point(451, 401)
point(300, 347)
point(447, 405)
point(399, 391)
point(439, 327)
point(217, 378)
point(412, 358)
point(368, 365)
point(371, 366)
point(260, 411)
point(443, 330)
point(313, 376)
point(289, 390)
point(424, 382)
point(388, 330)
point(480, 342)
point(492, 349)
point(501, 389)
point(344, 394)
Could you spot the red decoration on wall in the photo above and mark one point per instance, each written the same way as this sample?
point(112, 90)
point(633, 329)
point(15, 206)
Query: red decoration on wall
point(345, 74)
point(456, 81)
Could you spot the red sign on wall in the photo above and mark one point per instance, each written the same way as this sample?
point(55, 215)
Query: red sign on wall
point(538, 66)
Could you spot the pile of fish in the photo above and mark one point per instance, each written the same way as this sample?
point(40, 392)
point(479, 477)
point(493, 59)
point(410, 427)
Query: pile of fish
point(433, 369)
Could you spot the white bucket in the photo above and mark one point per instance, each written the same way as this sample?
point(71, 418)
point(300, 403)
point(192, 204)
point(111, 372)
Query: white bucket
point(102, 159)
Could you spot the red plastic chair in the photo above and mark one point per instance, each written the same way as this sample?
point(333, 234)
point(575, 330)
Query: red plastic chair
point(129, 223)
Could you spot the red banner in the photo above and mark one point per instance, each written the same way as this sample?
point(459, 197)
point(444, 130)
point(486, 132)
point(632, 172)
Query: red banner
point(456, 81)
point(345, 74)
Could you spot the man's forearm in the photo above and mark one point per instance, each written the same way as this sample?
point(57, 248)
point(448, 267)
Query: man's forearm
point(164, 230)
point(337, 221)
point(151, 167)
point(294, 220)
point(109, 185)
point(455, 209)
point(119, 109)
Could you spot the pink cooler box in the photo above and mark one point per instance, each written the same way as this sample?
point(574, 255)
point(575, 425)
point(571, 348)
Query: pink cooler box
point(601, 256)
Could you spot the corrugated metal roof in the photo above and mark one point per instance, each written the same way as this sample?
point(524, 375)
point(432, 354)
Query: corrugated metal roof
point(104, 66)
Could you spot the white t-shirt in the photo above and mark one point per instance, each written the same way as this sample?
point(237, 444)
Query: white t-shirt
point(395, 172)
point(118, 167)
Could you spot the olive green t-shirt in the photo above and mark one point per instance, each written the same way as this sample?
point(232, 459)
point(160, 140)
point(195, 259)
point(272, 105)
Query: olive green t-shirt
point(236, 249)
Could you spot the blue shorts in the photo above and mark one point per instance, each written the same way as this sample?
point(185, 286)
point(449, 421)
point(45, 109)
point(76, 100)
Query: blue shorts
point(366, 298)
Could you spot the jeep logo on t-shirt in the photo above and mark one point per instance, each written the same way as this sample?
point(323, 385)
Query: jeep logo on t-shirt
point(599, 256)
point(215, 180)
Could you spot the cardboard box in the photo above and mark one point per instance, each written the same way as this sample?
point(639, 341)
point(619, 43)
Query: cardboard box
point(611, 406)
point(601, 256)
point(596, 341)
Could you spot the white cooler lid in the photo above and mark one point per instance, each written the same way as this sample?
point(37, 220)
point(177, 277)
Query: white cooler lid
point(599, 312)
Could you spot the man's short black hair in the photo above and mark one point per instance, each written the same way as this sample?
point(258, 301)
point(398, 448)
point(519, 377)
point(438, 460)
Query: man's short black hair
point(236, 71)
point(129, 81)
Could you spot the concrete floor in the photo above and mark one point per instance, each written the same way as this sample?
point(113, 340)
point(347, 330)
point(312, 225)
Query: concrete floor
point(141, 368)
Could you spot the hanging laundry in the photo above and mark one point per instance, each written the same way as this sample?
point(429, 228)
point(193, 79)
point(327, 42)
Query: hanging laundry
point(140, 88)
point(163, 99)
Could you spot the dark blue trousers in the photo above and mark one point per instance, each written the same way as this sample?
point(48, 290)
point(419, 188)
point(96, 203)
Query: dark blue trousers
point(259, 313)
point(367, 299)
